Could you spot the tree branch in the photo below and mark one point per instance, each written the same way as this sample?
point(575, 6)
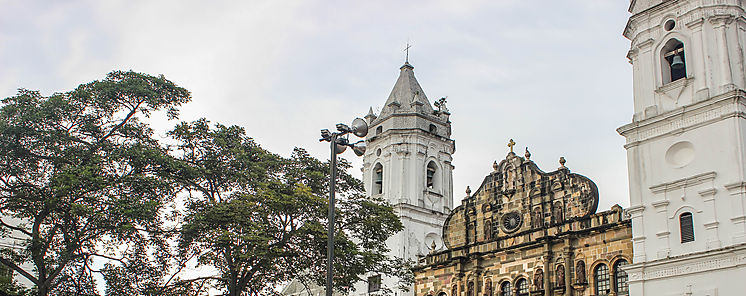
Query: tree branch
point(16, 228)
point(20, 270)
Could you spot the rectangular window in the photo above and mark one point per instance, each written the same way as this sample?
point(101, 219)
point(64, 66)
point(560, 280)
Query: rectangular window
point(687, 227)
point(374, 283)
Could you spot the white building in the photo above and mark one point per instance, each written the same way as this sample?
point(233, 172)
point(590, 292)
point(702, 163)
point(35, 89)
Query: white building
point(686, 147)
point(408, 163)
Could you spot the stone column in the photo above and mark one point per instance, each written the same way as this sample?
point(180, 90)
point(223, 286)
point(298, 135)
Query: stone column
point(547, 264)
point(568, 263)
point(697, 61)
point(721, 42)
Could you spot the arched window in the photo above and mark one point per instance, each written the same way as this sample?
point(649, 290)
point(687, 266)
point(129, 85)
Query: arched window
point(506, 289)
point(673, 62)
point(620, 278)
point(487, 287)
point(379, 130)
point(454, 290)
point(470, 289)
point(522, 287)
point(378, 179)
point(433, 129)
point(601, 277)
point(431, 181)
point(686, 225)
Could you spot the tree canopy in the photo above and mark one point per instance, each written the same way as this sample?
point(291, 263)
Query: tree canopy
point(83, 177)
point(261, 219)
point(80, 173)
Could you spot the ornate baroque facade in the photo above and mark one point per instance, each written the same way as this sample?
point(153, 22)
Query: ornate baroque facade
point(527, 232)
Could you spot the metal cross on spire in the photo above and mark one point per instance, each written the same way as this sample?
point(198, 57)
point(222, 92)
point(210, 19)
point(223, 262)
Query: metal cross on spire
point(406, 49)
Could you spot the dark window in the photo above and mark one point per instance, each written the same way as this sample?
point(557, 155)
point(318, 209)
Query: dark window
point(620, 278)
point(487, 287)
point(687, 227)
point(454, 291)
point(431, 169)
point(470, 289)
point(506, 289)
point(433, 129)
point(374, 283)
point(674, 61)
point(603, 282)
point(379, 130)
point(522, 286)
point(669, 25)
point(378, 179)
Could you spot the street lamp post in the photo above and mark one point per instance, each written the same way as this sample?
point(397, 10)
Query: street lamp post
point(339, 141)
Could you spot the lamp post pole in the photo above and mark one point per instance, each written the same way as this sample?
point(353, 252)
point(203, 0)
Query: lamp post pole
point(330, 242)
point(359, 128)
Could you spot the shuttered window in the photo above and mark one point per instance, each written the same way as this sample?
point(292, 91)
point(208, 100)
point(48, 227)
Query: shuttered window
point(687, 227)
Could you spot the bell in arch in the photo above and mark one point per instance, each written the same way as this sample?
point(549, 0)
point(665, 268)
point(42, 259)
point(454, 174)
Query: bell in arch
point(677, 63)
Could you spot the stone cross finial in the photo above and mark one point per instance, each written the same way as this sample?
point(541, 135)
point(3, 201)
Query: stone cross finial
point(511, 144)
point(406, 49)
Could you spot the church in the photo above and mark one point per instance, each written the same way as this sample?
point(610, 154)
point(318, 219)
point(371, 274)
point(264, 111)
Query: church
point(523, 231)
point(526, 231)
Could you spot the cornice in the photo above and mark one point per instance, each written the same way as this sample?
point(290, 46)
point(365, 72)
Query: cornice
point(688, 264)
point(684, 118)
point(682, 183)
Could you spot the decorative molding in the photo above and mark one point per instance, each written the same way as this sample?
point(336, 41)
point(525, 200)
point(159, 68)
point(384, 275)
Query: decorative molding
point(721, 20)
point(645, 44)
point(696, 23)
point(711, 225)
point(660, 204)
point(664, 233)
point(739, 219)
point(709, 192)
point(681, 119)
point(699, 262)
point(740, 186)
point(635, 210)
point(683, 183)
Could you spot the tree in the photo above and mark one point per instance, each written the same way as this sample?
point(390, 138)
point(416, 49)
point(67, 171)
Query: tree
point(260, 219)
point(84, 176)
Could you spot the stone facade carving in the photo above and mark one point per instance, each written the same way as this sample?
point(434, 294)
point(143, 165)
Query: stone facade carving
point(532, 243)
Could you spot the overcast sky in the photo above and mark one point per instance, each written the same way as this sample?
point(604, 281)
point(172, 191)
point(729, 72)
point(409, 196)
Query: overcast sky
point(552, 75)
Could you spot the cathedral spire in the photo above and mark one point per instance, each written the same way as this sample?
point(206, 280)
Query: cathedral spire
point(407, 95)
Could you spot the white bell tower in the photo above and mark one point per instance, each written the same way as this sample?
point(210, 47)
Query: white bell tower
point(686, 147)
point(408, 163)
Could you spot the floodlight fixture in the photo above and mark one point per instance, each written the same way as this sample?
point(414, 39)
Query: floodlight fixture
point(339, 141)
